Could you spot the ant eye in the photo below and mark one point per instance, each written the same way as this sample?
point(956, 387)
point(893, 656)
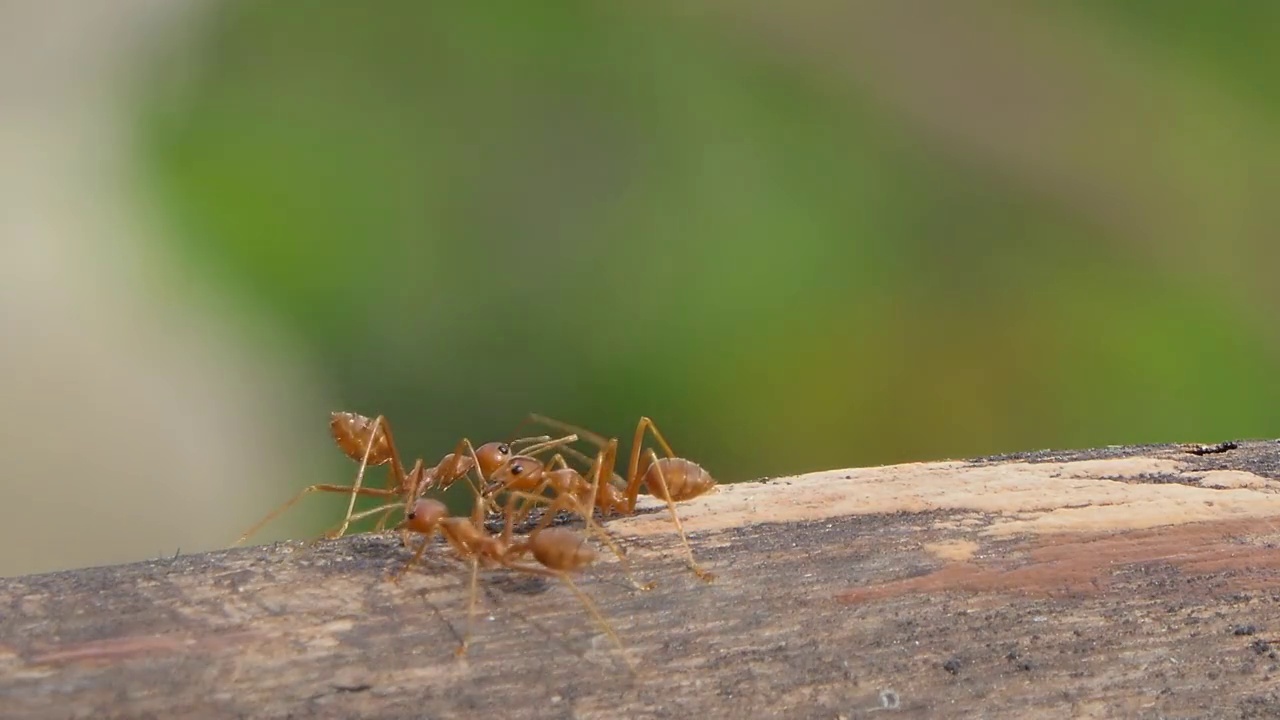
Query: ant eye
point(504, 449)
point(517, 468)
point(411, 515)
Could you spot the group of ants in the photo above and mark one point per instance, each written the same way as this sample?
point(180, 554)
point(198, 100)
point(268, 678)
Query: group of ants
point(508, 481)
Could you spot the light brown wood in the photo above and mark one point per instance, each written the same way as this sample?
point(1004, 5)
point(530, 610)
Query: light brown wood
point(1121, 582)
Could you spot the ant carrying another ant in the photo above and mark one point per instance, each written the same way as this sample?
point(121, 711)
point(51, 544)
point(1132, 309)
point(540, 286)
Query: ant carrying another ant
point(558, 552)
point(369, 441)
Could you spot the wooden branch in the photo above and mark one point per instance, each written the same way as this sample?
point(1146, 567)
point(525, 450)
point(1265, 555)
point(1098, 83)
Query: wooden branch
point(1135, 582)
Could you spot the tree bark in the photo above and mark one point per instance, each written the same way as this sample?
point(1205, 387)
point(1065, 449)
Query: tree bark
point(1133, 582)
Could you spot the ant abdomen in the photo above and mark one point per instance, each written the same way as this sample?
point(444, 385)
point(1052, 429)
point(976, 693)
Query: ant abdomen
point(684, 479)
point(561, 549)
point(352, 434)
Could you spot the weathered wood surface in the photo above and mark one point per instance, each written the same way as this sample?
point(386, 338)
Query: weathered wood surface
point(1132, 582)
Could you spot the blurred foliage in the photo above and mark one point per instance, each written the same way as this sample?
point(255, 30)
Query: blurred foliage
point(465, 212)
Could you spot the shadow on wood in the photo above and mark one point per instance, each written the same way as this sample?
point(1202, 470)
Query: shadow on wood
point(1124, 582)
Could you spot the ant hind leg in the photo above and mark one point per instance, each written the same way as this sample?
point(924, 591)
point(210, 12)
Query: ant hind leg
point(665, 494)
point(379, 423)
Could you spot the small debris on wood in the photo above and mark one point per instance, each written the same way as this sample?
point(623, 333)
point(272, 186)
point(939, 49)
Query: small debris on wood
point(1197, 449)
point(1016, 658)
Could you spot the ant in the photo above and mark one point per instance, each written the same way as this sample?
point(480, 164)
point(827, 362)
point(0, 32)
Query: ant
point(351, 431)
point(370, 442)
point(557, 551)
point(672, 479)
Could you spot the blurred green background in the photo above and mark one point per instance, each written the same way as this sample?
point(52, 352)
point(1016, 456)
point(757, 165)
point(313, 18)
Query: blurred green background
point(469, 211)
point(798, 236)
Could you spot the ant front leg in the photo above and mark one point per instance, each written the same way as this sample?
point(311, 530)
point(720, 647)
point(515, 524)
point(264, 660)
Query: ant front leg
point(549, 444)
point(528, 501)
point(417, 555)
point(595, 439)
point(427, 518)
point(368, 492)
point(386, 511)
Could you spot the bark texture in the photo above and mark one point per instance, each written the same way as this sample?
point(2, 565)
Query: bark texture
point(1128, 582)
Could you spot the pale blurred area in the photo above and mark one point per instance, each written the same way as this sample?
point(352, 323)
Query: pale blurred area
point(136, 421)
point(798, 236)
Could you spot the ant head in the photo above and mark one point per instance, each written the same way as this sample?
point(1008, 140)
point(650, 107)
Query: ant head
point(519, 472)
point(492, 456)
point(425, 515)
point(561, 549)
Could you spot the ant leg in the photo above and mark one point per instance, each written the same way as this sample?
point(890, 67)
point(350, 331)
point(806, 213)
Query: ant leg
point(529, 500)
point(575, 506)
point(599, 618)
point(384, 509)
point(548, 444)
point(595, 482)
point(481, 501)
point(519, 426)
point(586, 461)
point(382, 521)
point(396, 465)
point(450, 470)
point(675, 516)
point(581, 432)
point(634, 476)
point(443, 475)
point(471, 607)
point(534, 495)
point(565, 427)
point(653, 428)
point(370, 492)
point(578, 455)
point(461, 547)
point(583, 598)
point(533, 418)
point(426, 543)
point(532, 440)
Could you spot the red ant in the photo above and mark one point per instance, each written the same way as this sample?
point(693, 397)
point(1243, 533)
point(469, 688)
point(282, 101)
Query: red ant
point(669, 478)
point(558, 551)
point(370, 442)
